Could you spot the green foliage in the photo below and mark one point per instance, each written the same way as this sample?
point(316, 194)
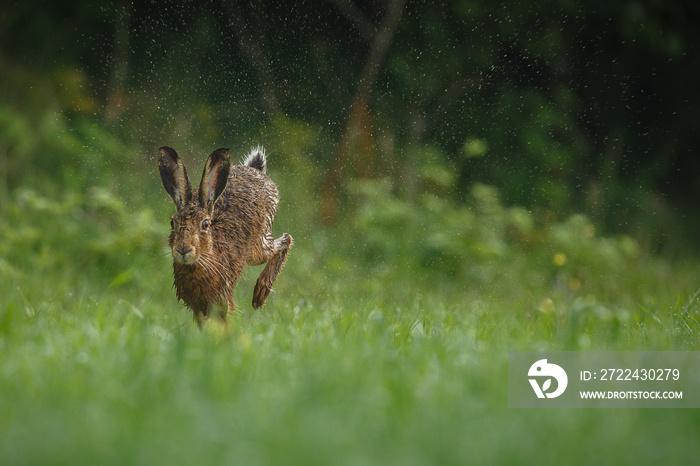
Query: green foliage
point(91, 237)
point(436, 235)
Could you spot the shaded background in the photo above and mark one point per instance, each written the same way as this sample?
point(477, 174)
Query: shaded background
point(562, 106)
point(462, 179)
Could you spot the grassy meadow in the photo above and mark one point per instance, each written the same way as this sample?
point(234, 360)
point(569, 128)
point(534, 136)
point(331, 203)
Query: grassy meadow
point(385, 340)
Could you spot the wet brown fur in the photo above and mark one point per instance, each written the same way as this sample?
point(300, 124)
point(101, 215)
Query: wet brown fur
point(207, 262)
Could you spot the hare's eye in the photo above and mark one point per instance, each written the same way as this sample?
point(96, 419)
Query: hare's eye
point(205, 224)
point(172, 224)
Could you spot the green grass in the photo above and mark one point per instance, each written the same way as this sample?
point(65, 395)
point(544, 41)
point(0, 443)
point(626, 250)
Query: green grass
point(300, 382)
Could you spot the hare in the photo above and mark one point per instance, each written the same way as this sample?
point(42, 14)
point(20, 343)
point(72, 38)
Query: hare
point(220, 227)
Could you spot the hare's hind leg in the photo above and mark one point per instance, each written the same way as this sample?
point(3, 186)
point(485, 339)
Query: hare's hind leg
point(275, 254)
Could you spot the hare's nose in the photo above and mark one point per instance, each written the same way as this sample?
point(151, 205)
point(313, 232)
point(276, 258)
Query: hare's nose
point(184, 250)
point(183, 254)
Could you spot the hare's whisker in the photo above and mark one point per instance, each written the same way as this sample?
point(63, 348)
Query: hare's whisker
point(211, 259)
point(206, 262)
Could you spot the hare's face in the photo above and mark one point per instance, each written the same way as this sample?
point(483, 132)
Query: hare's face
point(190, 235)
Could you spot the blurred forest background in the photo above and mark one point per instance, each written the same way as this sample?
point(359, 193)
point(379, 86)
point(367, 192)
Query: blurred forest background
point(458, 125)
point(462, 179)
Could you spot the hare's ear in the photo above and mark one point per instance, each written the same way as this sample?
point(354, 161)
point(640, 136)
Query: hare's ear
point(174, 176)
point(214, 178)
